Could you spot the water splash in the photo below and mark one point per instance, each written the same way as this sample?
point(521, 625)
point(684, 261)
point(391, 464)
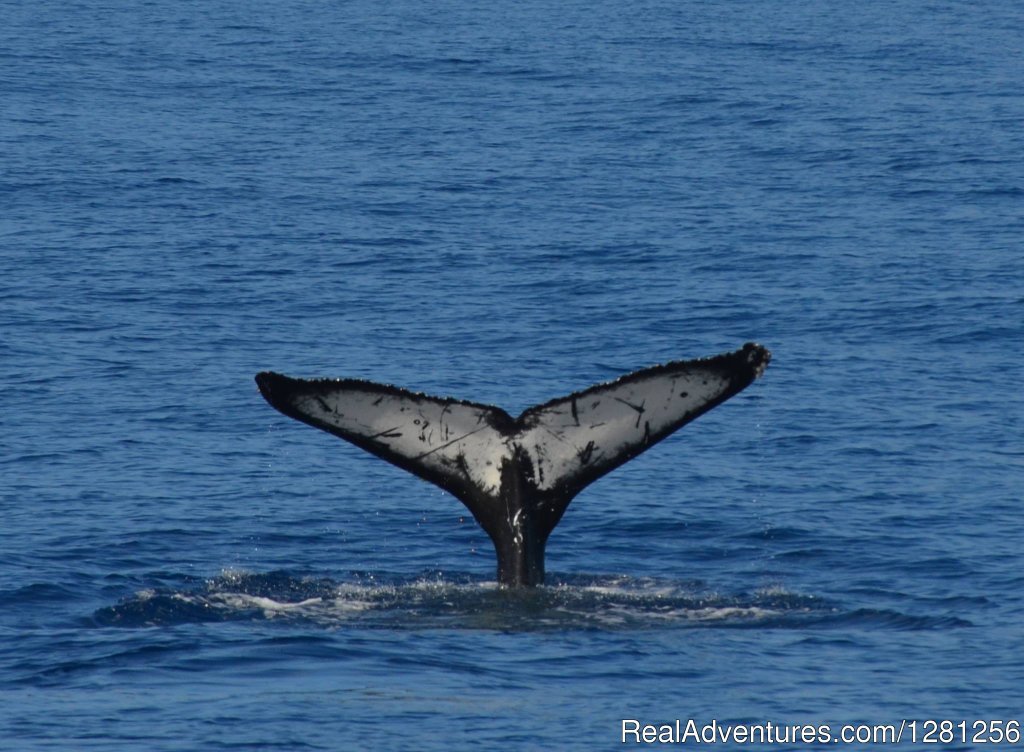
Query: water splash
point(458, 602)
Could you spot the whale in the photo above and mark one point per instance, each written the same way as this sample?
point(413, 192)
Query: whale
point(517, 475)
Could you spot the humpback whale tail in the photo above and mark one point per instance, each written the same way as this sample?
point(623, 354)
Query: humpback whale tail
point(517, 475)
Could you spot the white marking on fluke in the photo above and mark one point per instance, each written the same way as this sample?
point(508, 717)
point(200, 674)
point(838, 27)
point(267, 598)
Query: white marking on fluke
point(517, 475)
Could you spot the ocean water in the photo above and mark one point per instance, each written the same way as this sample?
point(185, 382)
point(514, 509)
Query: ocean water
point(506, 203)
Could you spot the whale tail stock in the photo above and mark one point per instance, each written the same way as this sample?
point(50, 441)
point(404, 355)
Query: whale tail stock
point(517, 475)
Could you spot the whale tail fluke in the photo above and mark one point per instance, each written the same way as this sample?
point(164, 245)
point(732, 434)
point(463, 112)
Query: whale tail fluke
point(517, 475)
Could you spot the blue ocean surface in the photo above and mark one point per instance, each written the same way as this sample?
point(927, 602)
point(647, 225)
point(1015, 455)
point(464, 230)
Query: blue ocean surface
point(507, 202)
